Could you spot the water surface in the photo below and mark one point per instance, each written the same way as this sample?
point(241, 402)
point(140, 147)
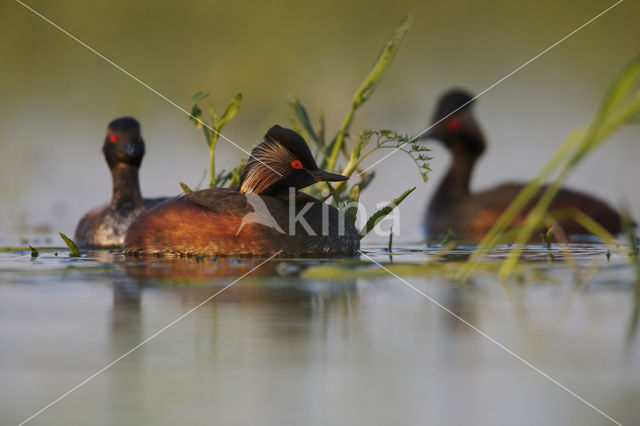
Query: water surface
point(296, 342)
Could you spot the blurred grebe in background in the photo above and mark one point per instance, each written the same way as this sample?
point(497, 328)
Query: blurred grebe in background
point(471, 215)
point(105, 226)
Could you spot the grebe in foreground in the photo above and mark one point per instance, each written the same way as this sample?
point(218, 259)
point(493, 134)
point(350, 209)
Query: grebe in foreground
point(471, 215)
point(106, 225)
point(256, 219)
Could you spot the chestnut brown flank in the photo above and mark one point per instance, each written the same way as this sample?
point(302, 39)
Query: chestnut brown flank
point(205, 222)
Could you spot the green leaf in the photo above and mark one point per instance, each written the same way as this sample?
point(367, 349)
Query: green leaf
point(200, 96)
point(337, 201)
point(363, 141)
point(236, 174)
point(384, 59)
point(321, 128)
point(300, 113)
point(204, 175)
point(213, 115)
point(230, 111)
point(366, 89)
point(185, 188)
point(547, 238)
point(383, 212)
point(196, 116)
point(622, 88)
point(451, 235)
point(222, 178)
point(34, 252)
point(354, 194)
point(196, 112)
point(295, 124)
point(367, 179)
point(73, 248)
point(351, 208)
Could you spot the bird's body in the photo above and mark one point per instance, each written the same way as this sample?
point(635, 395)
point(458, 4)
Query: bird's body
point(265, 215)
point(260, 214)
point(210, 222)
point(105, 226)
point(471, 215)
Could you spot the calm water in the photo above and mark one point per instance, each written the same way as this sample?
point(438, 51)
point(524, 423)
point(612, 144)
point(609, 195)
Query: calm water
point(285, 346)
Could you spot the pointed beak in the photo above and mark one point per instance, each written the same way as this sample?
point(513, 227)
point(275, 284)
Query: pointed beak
point(321, 176)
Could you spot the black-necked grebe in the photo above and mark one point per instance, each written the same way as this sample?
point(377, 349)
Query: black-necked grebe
point(105, 226)
point(255, 219)
point(471, 215)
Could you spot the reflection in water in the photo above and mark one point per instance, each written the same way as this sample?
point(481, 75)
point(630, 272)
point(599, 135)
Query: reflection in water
point(126, 333)
point(193, 270)
point(277, 348)
point(462, 301)
point(274, 307)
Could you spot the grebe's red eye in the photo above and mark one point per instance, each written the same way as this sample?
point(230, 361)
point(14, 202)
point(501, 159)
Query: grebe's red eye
point(113, 138)
point(453, 125)
point(296, 164)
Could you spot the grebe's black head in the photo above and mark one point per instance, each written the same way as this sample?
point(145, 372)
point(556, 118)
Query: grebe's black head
point(281, 161)
point(454, 124)
point(123, 143)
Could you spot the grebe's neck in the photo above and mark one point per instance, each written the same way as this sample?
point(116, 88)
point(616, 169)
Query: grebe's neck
point(456, 183)
point(126, 188)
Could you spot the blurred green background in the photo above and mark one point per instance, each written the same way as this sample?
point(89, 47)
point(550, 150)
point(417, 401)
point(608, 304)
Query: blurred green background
point(57, 96)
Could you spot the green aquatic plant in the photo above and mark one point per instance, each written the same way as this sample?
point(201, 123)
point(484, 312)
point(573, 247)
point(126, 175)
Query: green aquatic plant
point(212, 132)
point(367, 88)
point(451, 236)
point(185, 188)
point(73, 248)
point(546, 237)
point(385, 139)
point(628, 227)
point(620, 106)
point(327, 152)
point(34, 252)
point(9, 249)
point(383, 212)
